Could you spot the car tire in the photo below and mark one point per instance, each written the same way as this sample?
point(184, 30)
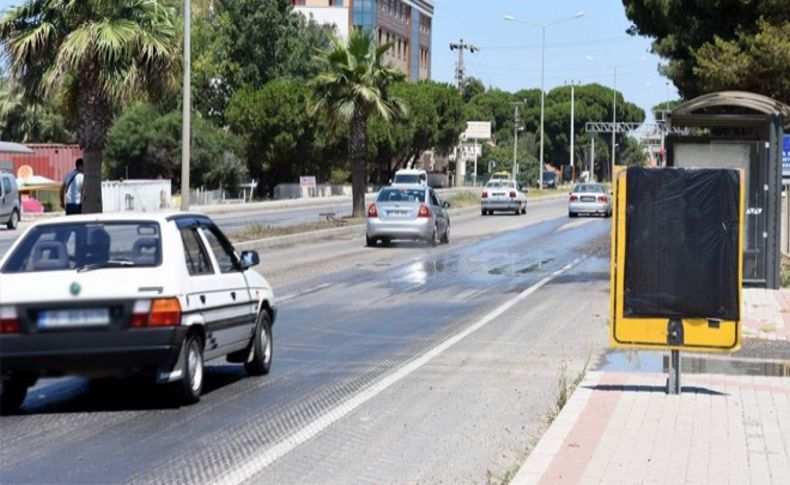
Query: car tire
point(189, 388)
point(262, 347)
point(13, 391)
point(608, 214)
point(446, 238)
point(13, 221)
point(573, 214)
point(484, 212)
point(369, 241)
point(524, 209)
point(434, 237)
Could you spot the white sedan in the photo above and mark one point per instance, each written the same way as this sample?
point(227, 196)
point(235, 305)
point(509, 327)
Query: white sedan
point(101, 295)
point(503, 195)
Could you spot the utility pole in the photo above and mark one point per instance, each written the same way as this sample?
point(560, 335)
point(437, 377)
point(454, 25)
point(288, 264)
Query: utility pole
point(459, 66)
point(572, 129)
point(614, 121)
point(516, 122)
point(186, 120)
point(592, 159)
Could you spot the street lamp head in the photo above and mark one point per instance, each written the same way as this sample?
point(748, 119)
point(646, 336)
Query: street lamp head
point(510, 18)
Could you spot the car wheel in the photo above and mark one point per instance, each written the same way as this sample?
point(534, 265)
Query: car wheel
point(524, 209)
point(369, 241)
point(190, 386)
point(446, 238)
point(13, 221)
point(484, 212)
point(435, 236)
point(261, 347)
point(573, 214)
point(13, 391)
point(608, 213)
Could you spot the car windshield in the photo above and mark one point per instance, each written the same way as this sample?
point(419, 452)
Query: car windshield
point(408, 179)
point(499, 184)
point(401, 195)
point(589, 188)
point(86, 246)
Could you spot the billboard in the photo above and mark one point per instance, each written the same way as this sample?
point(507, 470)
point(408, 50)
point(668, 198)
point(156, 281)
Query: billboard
point(477, 130)
point(786, 157)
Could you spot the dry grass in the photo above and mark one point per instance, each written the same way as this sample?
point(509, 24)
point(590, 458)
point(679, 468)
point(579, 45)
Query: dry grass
point(260, 231)
point(785, 271)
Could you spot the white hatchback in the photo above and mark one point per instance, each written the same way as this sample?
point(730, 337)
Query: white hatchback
point(101, 295)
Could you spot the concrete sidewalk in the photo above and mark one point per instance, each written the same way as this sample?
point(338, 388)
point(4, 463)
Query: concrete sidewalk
point(620, 427)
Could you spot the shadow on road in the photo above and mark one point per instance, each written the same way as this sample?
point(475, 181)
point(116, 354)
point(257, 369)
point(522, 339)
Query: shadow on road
point(658, 389)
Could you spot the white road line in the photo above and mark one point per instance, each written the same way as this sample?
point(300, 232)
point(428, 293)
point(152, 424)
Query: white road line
point(573, 224)
point(303, 293)
point(260, 461)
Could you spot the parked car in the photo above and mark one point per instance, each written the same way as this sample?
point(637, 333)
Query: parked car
point(415, 213)
point(550, 180)
point(407, 177)
point(103, 295)
point(10, 202)
point(590, 199)
point(499, 176)
point(503, 195)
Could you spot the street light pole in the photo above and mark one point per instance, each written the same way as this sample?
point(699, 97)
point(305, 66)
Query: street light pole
point(186, 121)
point(572, 128)
point(515, 142)
point(511, 18)
point(614, 120)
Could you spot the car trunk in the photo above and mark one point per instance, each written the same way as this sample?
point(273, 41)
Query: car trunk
point(394, 211)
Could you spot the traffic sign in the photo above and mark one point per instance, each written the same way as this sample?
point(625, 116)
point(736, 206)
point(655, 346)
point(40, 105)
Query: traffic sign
point(308, 182)
point(676, 271)
point(477, 130)
point(786, 157)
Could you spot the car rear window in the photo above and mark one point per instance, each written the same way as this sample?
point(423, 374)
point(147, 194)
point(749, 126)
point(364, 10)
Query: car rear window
point(408, 179)
point(401, 195)
point(596, 189)
point(499, 185)
point(85, 245)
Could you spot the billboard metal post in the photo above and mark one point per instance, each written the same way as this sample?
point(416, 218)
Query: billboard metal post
point(673, 378)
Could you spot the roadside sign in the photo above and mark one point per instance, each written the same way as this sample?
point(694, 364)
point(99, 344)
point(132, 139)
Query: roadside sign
point(677, 259)
point(786, 157)
point(477, 130)
point(307, 182)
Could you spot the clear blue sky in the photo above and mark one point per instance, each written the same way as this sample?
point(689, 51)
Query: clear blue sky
point(509, 56)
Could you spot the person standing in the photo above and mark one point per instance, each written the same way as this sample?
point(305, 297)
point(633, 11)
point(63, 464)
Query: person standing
point(73, 189)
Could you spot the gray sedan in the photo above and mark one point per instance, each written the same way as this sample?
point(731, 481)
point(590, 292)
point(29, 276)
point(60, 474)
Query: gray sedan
point(414, 213)
point(590, 199)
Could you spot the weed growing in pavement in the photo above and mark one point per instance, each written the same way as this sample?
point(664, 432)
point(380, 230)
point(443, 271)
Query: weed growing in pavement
point(784, 273)
point(260, 231)
point(466, 198)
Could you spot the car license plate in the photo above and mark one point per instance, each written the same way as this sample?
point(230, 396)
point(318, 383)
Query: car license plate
point(79, 317)
point(397, 213)
point(587, 198)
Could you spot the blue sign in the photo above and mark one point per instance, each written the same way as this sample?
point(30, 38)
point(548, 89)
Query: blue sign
point(786, 157)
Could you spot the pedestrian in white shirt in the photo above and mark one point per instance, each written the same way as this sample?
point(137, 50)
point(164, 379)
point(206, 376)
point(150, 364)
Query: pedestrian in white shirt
point(72, 191)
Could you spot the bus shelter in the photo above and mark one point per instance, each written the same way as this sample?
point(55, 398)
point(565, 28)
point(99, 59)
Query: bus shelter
point(734, 129)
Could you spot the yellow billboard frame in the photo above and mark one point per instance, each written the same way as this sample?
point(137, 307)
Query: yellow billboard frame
point(700, 335)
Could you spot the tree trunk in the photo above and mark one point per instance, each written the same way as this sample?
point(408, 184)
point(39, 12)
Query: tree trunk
point(358, 151)
point(95, 117)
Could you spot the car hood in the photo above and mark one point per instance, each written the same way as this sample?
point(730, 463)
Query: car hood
point(70, 285)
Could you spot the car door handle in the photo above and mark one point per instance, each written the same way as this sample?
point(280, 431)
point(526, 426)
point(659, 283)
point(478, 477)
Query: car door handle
point(233, 295)
point(202, 298)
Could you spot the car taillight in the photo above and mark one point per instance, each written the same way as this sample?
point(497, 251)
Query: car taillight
point(512, 195)
point(485, 194)
point(9, 322)
point(165, 312)
point(424, 211)
point(603, 198)
point(161, 312)
point(372, 211)
point(574, 198)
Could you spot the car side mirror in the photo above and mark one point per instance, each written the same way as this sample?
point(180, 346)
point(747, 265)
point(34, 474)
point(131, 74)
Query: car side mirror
point(249, 259)
point(446, 204)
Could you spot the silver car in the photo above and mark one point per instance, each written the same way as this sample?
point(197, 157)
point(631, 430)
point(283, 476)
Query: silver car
point(414, 213)
point(503, 195)
point(590, 199)
point(9, 201)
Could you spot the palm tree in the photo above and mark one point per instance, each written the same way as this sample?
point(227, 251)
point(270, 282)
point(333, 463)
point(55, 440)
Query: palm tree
point(99, 55)
point(353, 86)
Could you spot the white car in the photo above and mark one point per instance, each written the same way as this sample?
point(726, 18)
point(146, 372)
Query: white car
point(503, 195)
point(104, 294)
point(410, 177)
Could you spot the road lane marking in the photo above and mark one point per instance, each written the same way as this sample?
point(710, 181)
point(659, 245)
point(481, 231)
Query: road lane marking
point(257, 463)
point(312, 289)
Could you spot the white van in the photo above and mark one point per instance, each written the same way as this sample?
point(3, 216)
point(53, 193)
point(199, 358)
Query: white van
point(10, 204)
point(410, 177)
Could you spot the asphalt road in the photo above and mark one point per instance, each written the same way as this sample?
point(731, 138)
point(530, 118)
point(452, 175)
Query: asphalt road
point(392, 365)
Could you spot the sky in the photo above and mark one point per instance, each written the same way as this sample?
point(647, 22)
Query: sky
point(509, 55)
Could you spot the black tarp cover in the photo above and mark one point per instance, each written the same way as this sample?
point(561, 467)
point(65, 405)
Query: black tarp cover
point(682, 243)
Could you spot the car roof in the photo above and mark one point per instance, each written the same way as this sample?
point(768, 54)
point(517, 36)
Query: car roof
point(160, 217)
point(410, 171)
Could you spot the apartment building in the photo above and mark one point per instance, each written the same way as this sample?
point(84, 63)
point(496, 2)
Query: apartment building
point(406, 24)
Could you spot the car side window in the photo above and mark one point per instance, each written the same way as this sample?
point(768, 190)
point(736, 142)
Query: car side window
point(197, 260)
point(7, 189)
point(2, 190)
point(226, 259)
point(434, 199)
